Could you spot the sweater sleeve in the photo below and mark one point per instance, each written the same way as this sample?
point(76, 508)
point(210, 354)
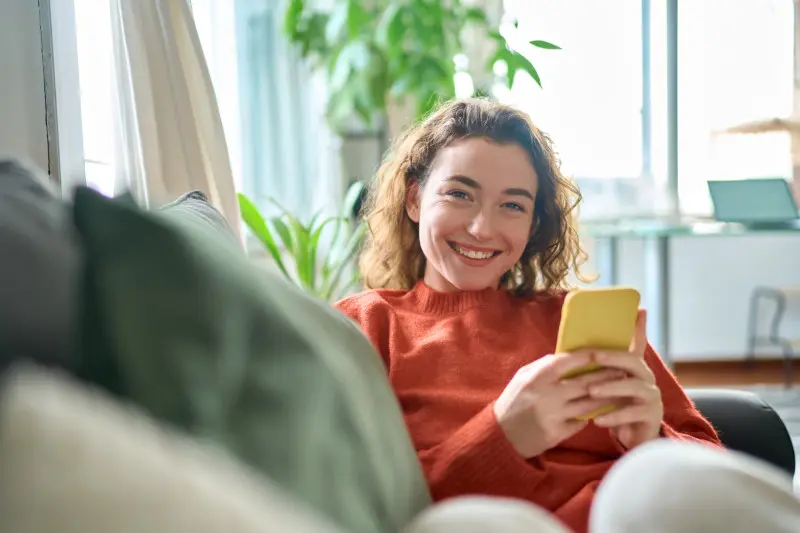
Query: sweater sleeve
point(475, 458)
point(682, 420)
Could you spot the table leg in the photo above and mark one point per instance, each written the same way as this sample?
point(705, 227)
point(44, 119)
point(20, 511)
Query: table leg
point(657, 294)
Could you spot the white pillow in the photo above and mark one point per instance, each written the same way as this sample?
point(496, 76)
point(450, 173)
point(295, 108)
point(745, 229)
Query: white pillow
point(73, 460)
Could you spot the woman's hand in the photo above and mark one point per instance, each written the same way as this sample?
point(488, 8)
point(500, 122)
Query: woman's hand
point(538, 409)
point(641, 411)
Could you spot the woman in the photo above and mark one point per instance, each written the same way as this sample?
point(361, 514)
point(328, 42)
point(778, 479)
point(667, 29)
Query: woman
point(472, 239)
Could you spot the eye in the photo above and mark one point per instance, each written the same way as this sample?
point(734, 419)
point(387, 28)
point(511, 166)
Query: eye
point(459, 195)
point(514, 206)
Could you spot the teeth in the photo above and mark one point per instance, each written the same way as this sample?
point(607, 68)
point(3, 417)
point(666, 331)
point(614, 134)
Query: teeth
point(472, 254)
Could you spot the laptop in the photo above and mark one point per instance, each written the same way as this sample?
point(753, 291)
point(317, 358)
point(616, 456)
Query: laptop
point(757, 203)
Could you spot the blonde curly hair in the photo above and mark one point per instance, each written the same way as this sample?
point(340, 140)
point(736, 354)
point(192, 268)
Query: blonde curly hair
point(392, 257)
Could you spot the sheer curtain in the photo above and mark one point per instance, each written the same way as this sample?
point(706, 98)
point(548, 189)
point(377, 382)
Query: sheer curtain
point(169, 135)
point(273, 107)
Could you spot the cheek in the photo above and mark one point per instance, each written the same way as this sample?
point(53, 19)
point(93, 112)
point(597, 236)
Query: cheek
point(440, 221)
point(517, 234)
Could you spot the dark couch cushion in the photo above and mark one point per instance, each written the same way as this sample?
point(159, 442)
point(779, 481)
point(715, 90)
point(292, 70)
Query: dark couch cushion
point(39, 264)
point(746, 423)
point(203, 339)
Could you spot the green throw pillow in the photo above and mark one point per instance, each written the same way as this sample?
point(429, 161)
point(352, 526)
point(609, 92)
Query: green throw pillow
point(178, 321)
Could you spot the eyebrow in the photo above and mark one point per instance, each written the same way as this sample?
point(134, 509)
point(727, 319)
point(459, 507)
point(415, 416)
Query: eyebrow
point(469, 182)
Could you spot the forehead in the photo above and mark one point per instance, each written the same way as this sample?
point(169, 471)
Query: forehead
point(493, 165)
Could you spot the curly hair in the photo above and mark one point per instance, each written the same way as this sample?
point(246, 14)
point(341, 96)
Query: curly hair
point(392, 257)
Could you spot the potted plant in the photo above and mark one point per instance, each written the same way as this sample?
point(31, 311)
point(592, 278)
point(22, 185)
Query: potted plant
point(373, 53)
point(317, 255)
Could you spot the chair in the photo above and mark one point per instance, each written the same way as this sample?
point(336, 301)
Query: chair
point(746, 423)
point(780, 298)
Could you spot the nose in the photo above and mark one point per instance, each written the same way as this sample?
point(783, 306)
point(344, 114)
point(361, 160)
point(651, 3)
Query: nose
point(480, 227)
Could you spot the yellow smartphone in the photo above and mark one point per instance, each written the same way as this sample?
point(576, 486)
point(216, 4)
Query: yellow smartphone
point(597, 318)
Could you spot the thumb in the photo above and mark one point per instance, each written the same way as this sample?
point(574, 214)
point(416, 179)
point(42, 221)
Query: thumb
point(639, 342)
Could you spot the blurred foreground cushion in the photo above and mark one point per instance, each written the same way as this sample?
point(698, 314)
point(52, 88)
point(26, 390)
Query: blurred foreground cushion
point(204, 340)
point(74, 460)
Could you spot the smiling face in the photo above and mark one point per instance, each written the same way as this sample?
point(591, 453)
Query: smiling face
point(474, 213)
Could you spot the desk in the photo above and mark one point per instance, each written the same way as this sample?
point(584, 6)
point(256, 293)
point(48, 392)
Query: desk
point(655, 235)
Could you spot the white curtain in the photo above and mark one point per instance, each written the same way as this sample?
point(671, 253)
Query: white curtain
point(288, 151)
point(170, 138)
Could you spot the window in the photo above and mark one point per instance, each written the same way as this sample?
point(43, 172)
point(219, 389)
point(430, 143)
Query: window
point(591, 100)
point(93, 29)
point(270, 104)
point(735, 65)
point(591, 103)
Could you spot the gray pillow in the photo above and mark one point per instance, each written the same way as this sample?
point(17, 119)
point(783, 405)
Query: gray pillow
point(194, 205)
point(39, 262)
point(206, 341)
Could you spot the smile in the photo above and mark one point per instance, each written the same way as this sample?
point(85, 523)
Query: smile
point(472, 253)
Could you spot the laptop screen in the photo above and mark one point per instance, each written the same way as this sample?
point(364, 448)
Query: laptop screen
point(752, 200)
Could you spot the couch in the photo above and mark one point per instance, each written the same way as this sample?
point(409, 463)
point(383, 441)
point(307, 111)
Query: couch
point(154, 379)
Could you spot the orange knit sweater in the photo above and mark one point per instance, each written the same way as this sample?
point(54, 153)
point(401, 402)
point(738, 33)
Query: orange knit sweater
point(450, 355)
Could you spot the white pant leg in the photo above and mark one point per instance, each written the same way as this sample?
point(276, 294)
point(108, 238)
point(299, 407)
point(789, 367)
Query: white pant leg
point(483, 514)
point(675, 487)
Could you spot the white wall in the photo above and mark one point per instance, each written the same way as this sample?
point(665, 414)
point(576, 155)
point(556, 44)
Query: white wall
point(711, 281)
point(22, 110)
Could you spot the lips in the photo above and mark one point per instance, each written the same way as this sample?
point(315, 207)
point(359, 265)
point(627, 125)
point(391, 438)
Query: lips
point(474, 252)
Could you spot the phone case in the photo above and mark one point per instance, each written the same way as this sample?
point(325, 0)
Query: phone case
point(602, 318)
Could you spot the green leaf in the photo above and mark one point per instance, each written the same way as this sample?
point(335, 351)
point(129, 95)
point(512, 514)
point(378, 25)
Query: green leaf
point(314, 31)
point(253, 219)
point(357, 18)
point(353, 57)
point(546, 45)
point(301, 252)
point(404, 84)
point(317, 233)
point(522, 63)
point(497, 36)
point(351, 197)
point(346, 259)
point(283, 232)
point(389, 31)
point(292, 17)
point(476, 14)
point(337, 22)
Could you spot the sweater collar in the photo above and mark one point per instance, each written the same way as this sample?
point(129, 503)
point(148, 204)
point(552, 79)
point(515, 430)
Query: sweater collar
point(431, 301)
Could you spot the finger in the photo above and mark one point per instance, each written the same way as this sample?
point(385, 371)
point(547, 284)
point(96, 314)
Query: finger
point(634, 414)
point(624, 388)
point(573, 426)
point(562, 363)
point(639, 342)
point(583, 407)
point(632, 364)
point(578, 387)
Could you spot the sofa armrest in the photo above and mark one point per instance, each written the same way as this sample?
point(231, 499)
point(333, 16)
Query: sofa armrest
point(746, 423)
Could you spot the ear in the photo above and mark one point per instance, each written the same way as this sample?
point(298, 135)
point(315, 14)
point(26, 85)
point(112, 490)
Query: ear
point(412, 201)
